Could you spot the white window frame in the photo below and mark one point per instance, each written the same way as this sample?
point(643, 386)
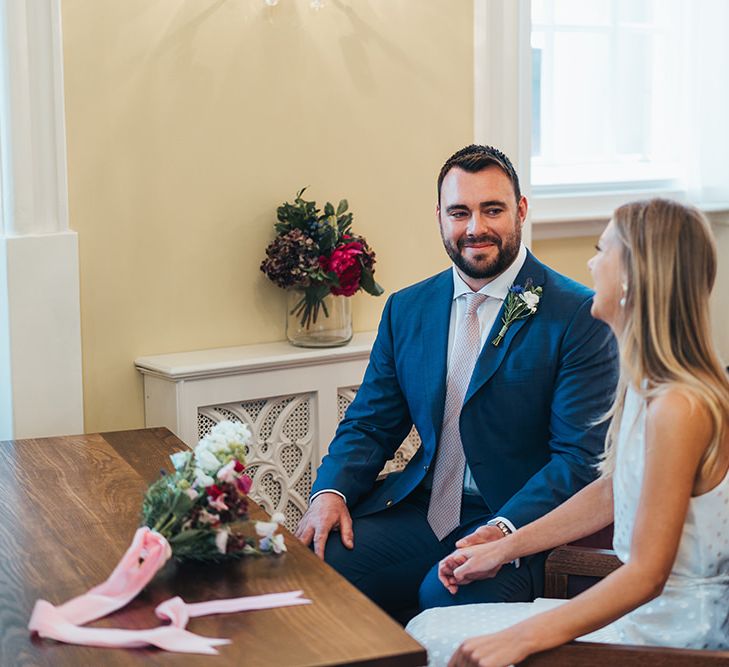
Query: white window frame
point(502, 117)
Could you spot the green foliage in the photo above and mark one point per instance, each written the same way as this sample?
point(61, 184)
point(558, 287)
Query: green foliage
point(326, 228)
point(369, 284)
point(167, 509)
point(308, 308)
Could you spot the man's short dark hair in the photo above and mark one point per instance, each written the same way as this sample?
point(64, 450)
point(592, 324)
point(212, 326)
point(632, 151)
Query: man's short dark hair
point(475, 158)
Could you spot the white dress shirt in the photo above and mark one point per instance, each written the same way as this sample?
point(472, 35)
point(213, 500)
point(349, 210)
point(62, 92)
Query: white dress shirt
point(487, 312)
point(496, 290)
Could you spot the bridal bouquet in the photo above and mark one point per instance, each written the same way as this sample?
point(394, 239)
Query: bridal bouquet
point(201, 507)
point(318, 253)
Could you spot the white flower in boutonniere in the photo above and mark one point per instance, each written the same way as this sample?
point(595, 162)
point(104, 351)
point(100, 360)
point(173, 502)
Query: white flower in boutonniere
point(521, 302)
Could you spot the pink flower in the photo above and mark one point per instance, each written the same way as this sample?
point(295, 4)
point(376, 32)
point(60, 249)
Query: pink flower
point(227, 472)
point(218, 502)
point(344, 262)
point(244, 483)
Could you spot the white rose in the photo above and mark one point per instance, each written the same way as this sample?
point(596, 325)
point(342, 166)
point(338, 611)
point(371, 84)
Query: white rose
point(278, 544)
point(278, 517)
point(217, 443)
point(202, 478)
point(243, 433)
point(221, 540)
point(206, 460)
point(266, 528)
point(180, 459)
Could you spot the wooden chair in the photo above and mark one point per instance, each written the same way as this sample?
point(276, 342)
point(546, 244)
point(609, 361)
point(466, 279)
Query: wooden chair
point(570, 569)
point(586, 565)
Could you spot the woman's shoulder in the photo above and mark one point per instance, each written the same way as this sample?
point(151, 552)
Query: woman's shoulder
point(678, 417)
point(678, 406)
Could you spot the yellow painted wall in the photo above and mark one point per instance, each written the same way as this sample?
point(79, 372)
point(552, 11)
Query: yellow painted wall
point(189, 121)
point(720, 295)
point(568, 256)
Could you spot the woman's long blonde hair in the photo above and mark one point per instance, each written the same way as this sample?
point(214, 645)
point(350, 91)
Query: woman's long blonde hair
point(669, 263)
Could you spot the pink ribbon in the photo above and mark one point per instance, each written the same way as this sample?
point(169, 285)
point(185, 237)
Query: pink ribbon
point(148, 552)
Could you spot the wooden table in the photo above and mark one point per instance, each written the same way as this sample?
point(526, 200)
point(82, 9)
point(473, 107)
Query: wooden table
point(70, 506)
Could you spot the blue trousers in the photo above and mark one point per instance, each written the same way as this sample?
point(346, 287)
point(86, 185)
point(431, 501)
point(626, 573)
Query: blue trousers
point(395, 559)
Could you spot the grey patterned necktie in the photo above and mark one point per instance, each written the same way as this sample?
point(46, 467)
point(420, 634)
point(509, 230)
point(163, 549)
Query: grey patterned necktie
point(444, 509)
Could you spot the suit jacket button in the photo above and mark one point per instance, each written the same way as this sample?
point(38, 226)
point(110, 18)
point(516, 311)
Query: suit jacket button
point(388, 503)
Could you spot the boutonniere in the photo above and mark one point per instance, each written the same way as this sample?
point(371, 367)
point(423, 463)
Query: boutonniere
point(521, 302)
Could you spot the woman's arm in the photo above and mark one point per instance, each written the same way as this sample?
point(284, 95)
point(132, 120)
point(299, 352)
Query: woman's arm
point(585, 513)
point(677, 434)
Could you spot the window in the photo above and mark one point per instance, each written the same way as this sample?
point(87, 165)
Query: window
point(607, 95)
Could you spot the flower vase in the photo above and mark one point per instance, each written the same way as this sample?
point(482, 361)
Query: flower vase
point(323, 322)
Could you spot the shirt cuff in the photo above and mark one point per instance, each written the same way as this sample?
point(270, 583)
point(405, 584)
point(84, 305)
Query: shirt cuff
point(341, 495)
point(511, 527)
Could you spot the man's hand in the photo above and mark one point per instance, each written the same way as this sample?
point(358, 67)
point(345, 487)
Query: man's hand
point(327, 512)
point(478, 556)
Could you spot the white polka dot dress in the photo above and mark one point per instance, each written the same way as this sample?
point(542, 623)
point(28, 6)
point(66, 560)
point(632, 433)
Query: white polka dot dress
point(693, 609)
point(691, 612)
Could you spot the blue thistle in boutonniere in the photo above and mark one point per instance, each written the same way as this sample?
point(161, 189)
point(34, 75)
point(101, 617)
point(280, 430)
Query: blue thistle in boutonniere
point(521, 302)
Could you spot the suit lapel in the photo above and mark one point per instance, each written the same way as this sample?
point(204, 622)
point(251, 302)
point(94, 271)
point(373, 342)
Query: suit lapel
point(435, 317)
point(491, 356)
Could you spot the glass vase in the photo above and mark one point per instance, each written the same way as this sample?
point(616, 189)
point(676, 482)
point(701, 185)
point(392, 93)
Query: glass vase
point(318, 323)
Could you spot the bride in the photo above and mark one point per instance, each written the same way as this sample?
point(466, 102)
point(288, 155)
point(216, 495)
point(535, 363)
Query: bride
point(664, 478)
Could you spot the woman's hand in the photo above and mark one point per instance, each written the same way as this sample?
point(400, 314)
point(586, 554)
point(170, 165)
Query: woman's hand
point(481, 561)
point(497, 650)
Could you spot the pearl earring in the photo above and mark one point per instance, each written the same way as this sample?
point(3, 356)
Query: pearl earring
point(625, 293)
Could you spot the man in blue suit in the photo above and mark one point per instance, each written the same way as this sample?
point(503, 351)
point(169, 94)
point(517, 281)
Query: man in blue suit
point(506, 408)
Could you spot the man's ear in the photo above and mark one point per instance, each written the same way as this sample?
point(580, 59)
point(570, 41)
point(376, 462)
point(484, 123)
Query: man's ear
point(522, 208)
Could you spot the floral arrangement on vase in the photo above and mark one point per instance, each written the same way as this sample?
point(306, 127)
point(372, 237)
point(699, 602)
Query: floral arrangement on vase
point(201, 507)
point(317, 252)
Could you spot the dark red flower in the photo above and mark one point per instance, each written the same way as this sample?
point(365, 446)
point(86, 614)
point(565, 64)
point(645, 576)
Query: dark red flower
point(213, 490)
point(345, 263)
point(239, 467)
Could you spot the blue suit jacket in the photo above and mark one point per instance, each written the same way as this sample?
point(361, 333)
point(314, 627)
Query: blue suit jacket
point(526, 422)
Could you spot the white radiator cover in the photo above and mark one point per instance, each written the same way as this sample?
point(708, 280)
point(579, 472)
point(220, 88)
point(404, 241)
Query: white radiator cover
point(291, 398)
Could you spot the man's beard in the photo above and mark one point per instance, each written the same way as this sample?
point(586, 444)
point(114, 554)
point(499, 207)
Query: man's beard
point(507, 250)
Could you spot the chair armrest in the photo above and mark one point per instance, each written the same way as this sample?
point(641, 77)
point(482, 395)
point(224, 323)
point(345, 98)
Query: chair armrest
point(580, 561)
point(567, 561)
point(579, 654)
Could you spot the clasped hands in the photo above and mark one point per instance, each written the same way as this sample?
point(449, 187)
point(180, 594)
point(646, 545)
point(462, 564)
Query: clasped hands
point(477, 556)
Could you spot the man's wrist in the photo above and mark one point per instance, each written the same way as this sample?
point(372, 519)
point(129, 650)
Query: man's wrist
point(323, 491)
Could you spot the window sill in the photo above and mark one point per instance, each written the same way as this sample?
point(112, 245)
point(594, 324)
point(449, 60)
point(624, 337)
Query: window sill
point(582, 215)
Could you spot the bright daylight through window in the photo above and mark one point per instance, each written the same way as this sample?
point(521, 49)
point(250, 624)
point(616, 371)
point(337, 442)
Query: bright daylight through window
point(607, 95)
